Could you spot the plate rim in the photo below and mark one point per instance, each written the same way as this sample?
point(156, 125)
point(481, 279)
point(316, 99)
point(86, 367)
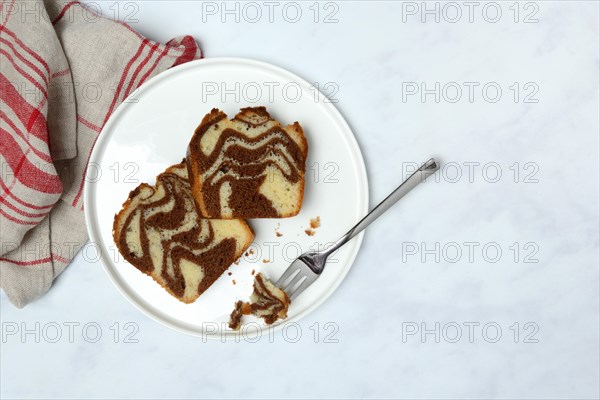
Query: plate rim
point(104, 138)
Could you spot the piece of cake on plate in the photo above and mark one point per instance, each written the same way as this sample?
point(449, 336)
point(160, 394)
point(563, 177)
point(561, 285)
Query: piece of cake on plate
point(248, 167)
point(267, 301)
point(160, 233)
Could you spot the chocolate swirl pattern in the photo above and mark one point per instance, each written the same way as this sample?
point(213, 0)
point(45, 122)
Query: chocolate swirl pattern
point(160, 233)
point(247, 167)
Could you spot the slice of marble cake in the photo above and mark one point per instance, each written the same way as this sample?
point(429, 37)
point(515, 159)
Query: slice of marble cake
point(160, 233)
point(248, 167)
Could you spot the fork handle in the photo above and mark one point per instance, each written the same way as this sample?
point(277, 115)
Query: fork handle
point(427, 169)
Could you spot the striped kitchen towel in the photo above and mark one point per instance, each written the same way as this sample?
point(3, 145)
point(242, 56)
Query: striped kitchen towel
point(64, 68)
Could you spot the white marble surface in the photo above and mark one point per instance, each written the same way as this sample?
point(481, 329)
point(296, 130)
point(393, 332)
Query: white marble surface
point(372, 55)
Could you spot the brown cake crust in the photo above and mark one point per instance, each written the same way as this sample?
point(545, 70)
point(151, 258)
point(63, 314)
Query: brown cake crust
point(215, 260)
point(246, 201)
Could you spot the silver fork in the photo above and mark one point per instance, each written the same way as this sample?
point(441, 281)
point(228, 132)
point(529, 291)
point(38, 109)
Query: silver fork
point(305, 269)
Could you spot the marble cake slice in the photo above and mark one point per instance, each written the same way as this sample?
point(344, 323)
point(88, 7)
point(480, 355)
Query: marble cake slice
point(248, 167)
point(267, 301)
point(160, 233)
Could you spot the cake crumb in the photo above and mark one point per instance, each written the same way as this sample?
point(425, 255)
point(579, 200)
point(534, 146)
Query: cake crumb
point(315, 222)
point(266, 261)
point(230, 273)
point(235, 319)
point(277, 231)
point(246, 254)
point(237, 262)
point(253, 272)
point(233, 281)
point(251, 251)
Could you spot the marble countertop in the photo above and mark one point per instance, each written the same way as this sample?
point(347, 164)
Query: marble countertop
point(484, 285)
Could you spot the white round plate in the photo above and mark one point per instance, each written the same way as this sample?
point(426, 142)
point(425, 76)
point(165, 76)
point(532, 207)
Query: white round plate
point(150, 131)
